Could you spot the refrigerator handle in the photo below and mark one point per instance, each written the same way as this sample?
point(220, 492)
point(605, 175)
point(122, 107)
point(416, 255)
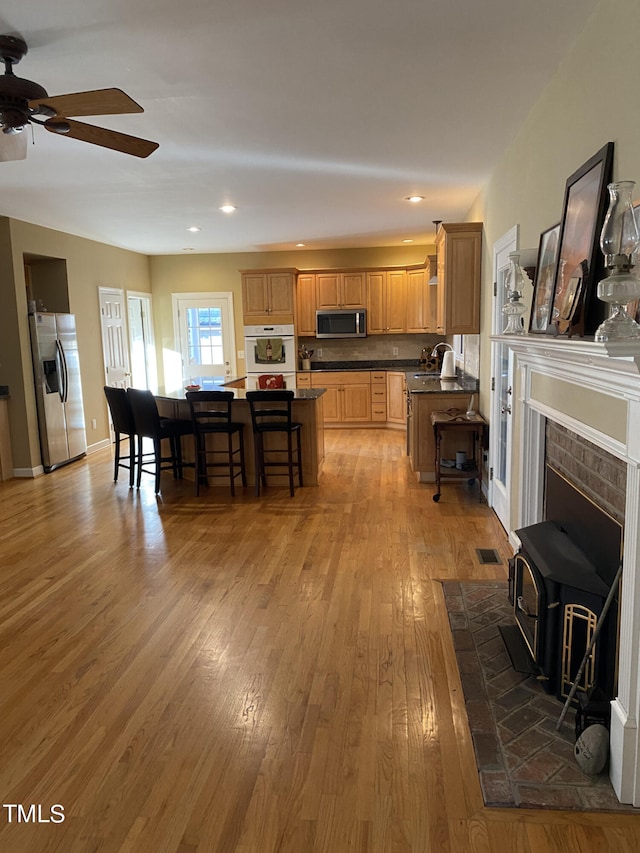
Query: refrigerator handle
point(64, 385)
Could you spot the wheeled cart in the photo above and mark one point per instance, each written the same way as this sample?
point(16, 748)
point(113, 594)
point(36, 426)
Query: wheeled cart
point(456, 419)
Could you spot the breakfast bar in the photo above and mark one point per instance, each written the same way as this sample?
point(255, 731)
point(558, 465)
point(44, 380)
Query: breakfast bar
point(307, 409)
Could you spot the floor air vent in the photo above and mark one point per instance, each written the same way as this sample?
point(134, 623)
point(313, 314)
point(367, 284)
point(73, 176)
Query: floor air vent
point(488, 555)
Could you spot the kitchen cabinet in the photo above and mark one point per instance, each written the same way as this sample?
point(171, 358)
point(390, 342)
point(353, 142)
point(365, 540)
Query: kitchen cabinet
point(458, 249)
point(422, 443)
point(306, 305)
point(421, 302)
point(396, 398)
point(340, 290)
point(268, 296)
point(387, 302)
point(378, 396)
point(303, 380)
point(348, 396)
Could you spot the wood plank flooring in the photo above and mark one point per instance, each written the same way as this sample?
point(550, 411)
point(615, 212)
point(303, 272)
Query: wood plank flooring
point(218, 675)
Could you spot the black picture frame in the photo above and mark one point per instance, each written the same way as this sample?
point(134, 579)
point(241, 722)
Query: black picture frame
point(544, 280)
point(580, 262)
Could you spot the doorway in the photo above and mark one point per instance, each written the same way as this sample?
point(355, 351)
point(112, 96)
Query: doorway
point(144, 372)
point(205, 338)
point(501, 389)
point(115, 348)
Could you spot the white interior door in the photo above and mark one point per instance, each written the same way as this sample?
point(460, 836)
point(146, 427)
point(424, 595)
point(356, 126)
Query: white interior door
point(113, 323)
point(204, 336)
point(501, 389)
point(144, 372)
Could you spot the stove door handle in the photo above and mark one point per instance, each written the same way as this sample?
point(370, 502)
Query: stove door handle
point(522, 606)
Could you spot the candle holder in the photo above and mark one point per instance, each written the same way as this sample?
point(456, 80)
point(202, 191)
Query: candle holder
point(619, 240)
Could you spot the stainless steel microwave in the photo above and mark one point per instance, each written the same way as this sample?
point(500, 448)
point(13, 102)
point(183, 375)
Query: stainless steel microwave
point(344, 323)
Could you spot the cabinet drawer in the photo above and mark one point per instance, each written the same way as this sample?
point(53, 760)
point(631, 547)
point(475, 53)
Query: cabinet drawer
point(378, 377)
point(303, 380)
point(378, 393)
point(338, 377)
point(378, 412)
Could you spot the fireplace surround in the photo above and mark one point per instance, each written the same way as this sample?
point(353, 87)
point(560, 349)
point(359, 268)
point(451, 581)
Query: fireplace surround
point(593, 390)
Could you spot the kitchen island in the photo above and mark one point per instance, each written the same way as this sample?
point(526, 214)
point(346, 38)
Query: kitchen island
point(307, 409)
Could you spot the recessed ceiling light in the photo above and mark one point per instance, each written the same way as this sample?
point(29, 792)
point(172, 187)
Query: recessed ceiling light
point(300, 245)
point(415, 198)
point(194, 228)
point(188, 249)
point(407, 240)
point(227, 208)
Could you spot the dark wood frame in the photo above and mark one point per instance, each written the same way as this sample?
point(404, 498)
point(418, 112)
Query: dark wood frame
point(544, 280)
point(580, 261)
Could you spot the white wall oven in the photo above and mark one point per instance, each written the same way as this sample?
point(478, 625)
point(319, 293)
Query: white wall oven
point(270, 351)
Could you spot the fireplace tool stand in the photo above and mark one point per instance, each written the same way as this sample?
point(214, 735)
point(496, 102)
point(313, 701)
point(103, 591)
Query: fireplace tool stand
point(592, 641)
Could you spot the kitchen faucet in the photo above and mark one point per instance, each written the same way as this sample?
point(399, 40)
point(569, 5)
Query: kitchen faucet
point(434, 351)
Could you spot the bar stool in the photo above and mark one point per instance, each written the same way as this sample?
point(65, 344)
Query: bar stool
point(211, 415)
point(271, 413)
point(149, 424)
point(123, 427)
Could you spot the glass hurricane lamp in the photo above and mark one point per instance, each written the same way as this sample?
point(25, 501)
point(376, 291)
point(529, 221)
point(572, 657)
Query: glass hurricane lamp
point(514, 307)
point(619, 240)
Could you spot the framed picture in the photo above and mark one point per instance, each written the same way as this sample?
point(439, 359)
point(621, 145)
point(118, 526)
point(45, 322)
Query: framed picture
point(580, 262)
point(544, 279)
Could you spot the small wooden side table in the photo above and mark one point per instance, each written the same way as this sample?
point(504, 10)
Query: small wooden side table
point(456, 419)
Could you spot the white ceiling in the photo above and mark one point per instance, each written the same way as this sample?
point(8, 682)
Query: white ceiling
point(317, 118)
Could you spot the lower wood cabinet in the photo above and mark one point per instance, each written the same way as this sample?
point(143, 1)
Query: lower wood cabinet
point(348, 396)
point(396, 398)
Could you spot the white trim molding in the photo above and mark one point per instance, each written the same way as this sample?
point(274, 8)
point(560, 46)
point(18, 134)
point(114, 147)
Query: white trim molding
point(609, 375)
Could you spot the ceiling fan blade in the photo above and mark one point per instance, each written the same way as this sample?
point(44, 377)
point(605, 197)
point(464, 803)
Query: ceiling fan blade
point(98, 102)
point(101, 136)
point(13, 146)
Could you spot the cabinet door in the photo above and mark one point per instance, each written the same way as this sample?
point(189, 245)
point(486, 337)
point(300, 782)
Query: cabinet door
point(423, 448)
point(280, 294)
point(306, 306)
point(354, 292)
point(396, 302)
point(331, 404)
point(356, 403)
point(254, 294)
point(328, 290)
point(459, 247)
point(396, 401)
point(421, 303)
point(376, 303)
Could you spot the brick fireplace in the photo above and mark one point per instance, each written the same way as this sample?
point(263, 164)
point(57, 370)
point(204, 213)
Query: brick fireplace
point(588, 394)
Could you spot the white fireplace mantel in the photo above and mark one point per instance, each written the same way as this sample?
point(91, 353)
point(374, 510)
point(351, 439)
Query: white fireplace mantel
point(593, 389)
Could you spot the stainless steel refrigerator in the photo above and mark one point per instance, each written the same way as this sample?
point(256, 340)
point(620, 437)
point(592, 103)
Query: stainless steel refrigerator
point(56, 370)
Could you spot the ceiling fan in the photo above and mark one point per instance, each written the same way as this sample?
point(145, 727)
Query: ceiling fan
point(23, 102)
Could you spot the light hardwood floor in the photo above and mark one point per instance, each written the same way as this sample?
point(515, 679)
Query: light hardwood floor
point(251, 675)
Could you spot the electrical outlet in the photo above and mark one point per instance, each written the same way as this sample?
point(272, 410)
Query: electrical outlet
point(319, 353)
point(94, 423)
point(395, 350)
point(241, 353)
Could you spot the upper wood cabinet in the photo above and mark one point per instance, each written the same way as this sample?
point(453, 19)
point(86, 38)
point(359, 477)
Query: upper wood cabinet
point(459, 252)
point(421, 302)
point(268, 296)
point(306, 305)
point(386, 302)
point(340, 290)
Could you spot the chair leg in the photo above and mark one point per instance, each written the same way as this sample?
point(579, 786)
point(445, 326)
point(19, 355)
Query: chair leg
point(157, 452)
point(139, 475)
point(198, 460)
point(290, 461)
point(117, 458)
point(132, 459)
point(299, 456)
point(232, 471)
point(257, 441)
point(243, 469)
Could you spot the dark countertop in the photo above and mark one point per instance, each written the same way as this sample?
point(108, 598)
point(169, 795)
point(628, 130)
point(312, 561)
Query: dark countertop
point(418, 382)
point(427, 384)
point(388, 364)
point(240, 393)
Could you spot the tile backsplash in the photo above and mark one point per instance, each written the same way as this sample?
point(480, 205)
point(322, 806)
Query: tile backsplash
point(381, 347)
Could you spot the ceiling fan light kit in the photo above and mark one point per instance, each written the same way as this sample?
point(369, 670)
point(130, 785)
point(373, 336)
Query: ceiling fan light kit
point(24, 102)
